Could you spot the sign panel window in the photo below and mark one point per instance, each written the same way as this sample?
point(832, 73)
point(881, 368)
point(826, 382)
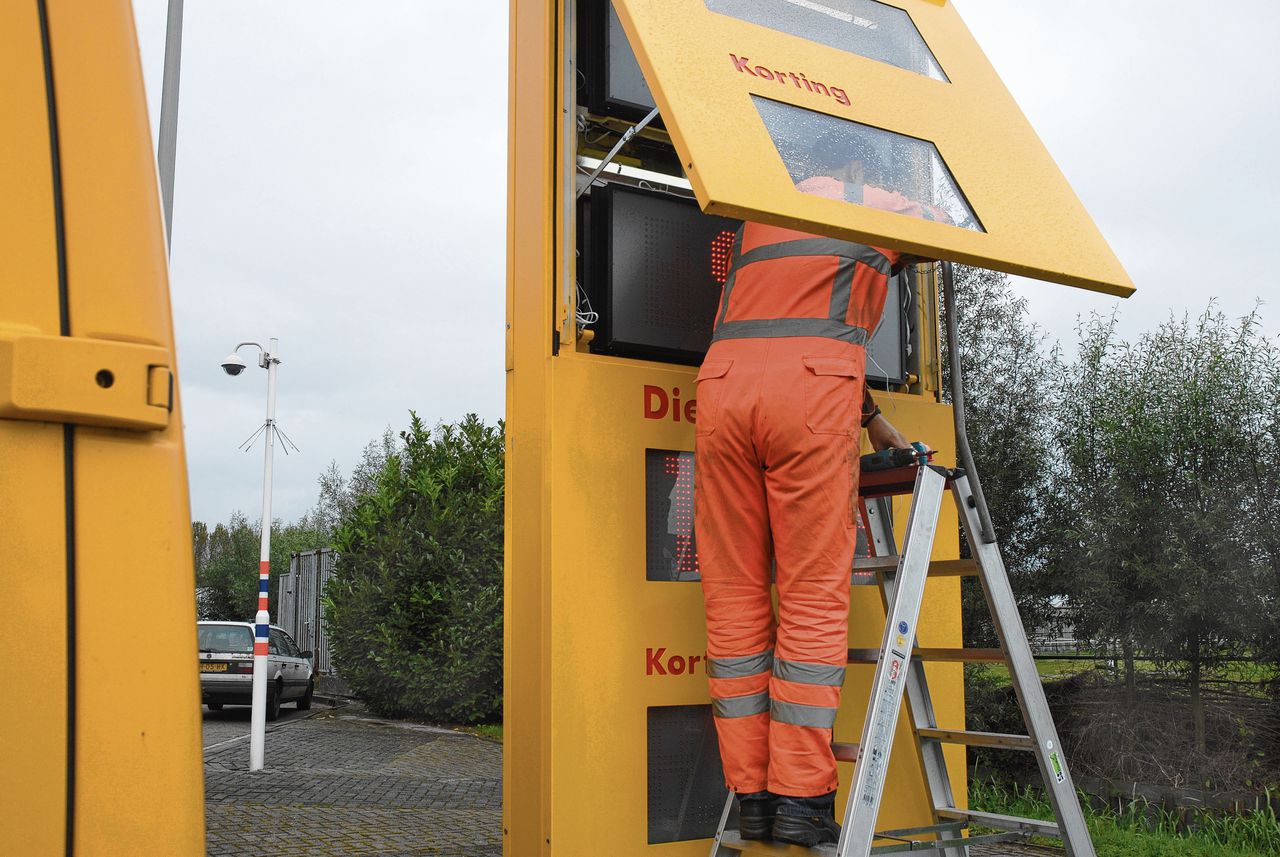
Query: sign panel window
point(843, 160)
point(864, 27)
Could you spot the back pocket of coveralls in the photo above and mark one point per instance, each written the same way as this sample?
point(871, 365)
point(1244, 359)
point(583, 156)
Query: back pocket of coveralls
point(830, 394)
point(710, 384)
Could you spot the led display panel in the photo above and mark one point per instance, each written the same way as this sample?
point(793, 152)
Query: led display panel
point(671, 551)
point(977, 182)
point(889, 351)
point(613, 82)
point(654, 270)
point(669, 542)
point(686, 780)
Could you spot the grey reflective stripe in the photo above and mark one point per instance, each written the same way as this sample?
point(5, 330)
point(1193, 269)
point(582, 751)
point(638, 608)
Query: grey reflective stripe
point(734, 255)
point(802, 715)
point(764, 328)
point(741, 706)
point(817, 247)
point(740, 667)
point(842, 290)
point(802, 673)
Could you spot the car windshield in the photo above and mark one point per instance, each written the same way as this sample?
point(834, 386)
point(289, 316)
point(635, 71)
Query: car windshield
point(236, 639)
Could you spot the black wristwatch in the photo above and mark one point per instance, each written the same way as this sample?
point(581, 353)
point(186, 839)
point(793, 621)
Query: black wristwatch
point(866, 421)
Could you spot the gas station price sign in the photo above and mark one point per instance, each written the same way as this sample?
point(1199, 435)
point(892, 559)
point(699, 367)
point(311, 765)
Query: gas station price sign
point(876, 122)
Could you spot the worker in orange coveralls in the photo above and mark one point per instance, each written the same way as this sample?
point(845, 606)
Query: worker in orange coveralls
point(781, 401)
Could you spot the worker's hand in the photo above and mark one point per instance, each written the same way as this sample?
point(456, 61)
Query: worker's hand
point(883, 435)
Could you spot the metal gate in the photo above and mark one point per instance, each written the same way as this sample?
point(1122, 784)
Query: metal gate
point(300, 603)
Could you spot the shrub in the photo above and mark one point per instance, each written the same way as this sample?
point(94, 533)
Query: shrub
point(414, 610)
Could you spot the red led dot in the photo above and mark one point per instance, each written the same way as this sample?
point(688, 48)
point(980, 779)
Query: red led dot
point(721, 253)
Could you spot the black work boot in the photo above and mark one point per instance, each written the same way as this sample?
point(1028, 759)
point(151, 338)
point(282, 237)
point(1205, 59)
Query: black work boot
point(755, 815)
point(806, 821)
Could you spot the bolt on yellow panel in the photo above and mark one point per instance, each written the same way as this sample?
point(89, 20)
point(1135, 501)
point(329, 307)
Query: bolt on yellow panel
point(879, 122)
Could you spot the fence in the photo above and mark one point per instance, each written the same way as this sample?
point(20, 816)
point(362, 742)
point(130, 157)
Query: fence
point(299, 603)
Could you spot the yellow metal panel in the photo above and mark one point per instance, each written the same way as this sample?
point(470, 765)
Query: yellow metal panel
point(33, 592)
point(606, 615)
point(139, 782)
point(527, 699)
point(1035, 225)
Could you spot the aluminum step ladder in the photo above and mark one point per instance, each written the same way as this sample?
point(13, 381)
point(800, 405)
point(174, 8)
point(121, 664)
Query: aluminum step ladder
point(900, 669)
point(900, 672)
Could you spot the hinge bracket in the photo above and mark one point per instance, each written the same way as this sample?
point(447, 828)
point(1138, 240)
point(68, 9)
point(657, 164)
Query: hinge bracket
point(84, 381)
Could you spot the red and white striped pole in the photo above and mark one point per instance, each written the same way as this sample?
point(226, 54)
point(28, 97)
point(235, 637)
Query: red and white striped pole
point(262, 621)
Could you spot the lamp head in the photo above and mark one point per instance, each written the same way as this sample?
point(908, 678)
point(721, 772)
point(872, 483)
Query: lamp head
point(233, 365)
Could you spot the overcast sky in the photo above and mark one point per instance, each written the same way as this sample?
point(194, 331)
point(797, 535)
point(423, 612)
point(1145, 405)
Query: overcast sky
point(341, 186)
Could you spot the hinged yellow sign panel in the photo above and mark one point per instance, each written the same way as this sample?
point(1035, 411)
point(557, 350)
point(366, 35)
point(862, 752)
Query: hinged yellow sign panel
point(878, 122)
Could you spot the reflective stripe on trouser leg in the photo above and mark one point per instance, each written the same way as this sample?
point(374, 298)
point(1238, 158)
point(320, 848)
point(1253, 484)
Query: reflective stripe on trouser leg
point(735, 558)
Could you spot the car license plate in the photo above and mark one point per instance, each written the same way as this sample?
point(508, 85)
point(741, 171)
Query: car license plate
point(213, 668)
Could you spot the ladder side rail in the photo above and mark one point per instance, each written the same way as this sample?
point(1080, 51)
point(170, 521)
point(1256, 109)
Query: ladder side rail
point(1026, 679)
point(716, 849)
point(889, 683)
point(932, 754)
point(919, 701)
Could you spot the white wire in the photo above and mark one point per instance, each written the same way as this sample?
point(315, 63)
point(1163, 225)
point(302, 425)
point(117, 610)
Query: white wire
point(587, 316)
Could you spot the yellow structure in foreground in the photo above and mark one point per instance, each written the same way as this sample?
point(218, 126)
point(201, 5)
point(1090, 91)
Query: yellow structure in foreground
point(97, 620)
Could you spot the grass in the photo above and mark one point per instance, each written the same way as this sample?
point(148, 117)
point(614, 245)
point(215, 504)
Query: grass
point(485, 730)
point(1244, 671)
point(1145, 830)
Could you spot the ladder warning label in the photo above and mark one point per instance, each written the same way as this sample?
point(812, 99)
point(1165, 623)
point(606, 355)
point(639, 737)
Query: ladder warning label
point(1056, 764)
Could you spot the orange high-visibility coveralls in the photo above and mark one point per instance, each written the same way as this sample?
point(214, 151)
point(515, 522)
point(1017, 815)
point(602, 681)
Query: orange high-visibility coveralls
point(778, 440)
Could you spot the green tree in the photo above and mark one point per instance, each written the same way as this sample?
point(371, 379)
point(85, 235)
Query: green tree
point(1008, 374)
point(1159, 441)
point(414, 610)
point(1264, 516)
point(229, 575)
point(338, 493)
point(227, 563)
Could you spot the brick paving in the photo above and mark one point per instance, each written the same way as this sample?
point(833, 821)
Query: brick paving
point(341, 783)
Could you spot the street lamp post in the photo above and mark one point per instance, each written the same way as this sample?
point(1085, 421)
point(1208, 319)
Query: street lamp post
point(268, 358)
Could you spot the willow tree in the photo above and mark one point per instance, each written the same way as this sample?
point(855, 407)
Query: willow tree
point(1151, 528)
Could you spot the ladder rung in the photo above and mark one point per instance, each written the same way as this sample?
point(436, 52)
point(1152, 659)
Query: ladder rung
point(1000, 740)
point(937, 568)
point(953, 568)
point(908, 832)
point(845, 752)
point(1002, 822)
point(965, 656)
point(732, 840)
point(995, 656)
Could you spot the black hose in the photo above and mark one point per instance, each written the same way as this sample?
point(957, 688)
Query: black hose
point(978, 500)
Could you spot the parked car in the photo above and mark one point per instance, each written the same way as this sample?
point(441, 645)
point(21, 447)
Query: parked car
point(226, 667)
